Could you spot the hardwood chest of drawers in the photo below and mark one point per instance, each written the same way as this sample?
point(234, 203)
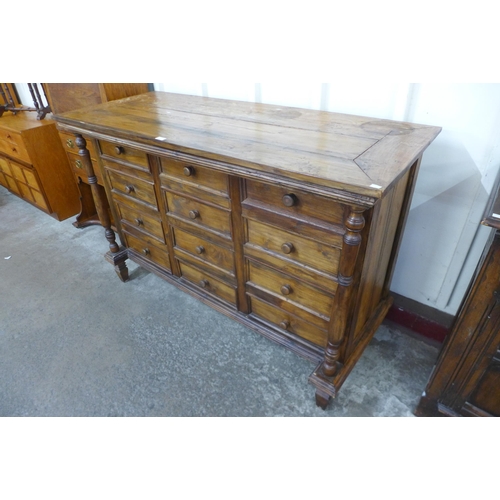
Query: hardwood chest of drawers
point(33, 164)
point(287, 220)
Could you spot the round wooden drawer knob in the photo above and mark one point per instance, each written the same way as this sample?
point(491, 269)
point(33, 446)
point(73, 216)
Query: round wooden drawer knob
point(78, 164)
point(188, 171)
point(70, 143)
point(285, 324)
point(286, 289)
point(119, 150)
point(287, 248)
point(200, 250)
point(139, 222)
point(194, 214)
point(146, 251)
point(289, 200)
point(129, 189)
point(204, 283)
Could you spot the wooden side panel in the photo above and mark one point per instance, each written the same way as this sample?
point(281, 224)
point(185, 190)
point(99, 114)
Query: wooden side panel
point(53, 168)
point(377, 260)
point(486, 395)
point(65, 97)
point(392, 219)
point(113, 91)
point(466, 373)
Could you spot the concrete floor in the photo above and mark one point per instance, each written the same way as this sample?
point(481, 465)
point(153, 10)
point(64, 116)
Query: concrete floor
point(75, 341)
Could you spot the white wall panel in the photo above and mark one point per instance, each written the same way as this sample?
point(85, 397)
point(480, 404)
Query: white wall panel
point(236, 91)
point(438, 254)
point(180, 88)
point(24, 94)
point(378, 100)
point(299, 95)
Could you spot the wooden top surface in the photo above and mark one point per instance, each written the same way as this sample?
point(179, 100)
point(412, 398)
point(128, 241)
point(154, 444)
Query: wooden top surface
point(343, 152)
point(23, 120)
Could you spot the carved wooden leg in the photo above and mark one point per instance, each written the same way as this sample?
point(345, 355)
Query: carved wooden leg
point(118, 260)
point(323, 377)
point(322, 399)
point(325, 388)
point(88, 214)
point(116, 255)
point(121, 270)
point(331, 357)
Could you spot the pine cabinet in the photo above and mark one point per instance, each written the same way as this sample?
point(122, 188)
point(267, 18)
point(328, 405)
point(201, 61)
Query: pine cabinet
point(33, 164)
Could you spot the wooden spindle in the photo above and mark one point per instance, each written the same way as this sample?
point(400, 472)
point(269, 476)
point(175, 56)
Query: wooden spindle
point(116, 256)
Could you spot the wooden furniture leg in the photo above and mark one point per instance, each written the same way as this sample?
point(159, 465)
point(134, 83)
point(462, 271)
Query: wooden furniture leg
point(116, 255)
point(88, 215)
point(323, 377)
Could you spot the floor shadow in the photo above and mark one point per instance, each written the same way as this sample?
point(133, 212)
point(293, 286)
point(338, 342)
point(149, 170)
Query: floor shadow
point(138, 273)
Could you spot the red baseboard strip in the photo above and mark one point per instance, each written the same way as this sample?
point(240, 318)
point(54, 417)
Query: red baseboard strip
point(418, 324)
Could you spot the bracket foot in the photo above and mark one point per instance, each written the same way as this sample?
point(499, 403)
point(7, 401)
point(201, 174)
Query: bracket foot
point(325, 388)
point(118, 260)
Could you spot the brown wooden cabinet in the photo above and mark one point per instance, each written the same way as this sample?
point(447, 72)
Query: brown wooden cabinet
point(287, 220)
point(466, 378)
point(65, 97)
point(33, 164)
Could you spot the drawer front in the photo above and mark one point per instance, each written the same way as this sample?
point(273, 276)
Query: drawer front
point(208, 284)
point(290, 246)
point(31, 179)
point(69, 144)
point(17, 172)
point(288, 322)
point(125, 154)
point(188, 190)
point(152, 252)
point(26, 185)
point(6, 135)
point(199, 213)
point(194, 175)
point(3, 180)
point(142, 221)
point(79, 169)
point(133, 188)
point(204, 250)
point(12, 137)
point(294, 202)
point(12, 184)
point(39, 199)
point(26, 192)
point(77, 166)
point(5, 166)
point(16, 150)
point(288, 288)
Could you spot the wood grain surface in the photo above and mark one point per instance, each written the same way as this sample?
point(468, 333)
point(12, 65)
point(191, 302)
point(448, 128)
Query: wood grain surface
point(362, 155)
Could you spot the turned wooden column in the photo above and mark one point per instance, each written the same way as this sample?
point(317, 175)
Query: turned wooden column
point(116, 255)
point(322, 378)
